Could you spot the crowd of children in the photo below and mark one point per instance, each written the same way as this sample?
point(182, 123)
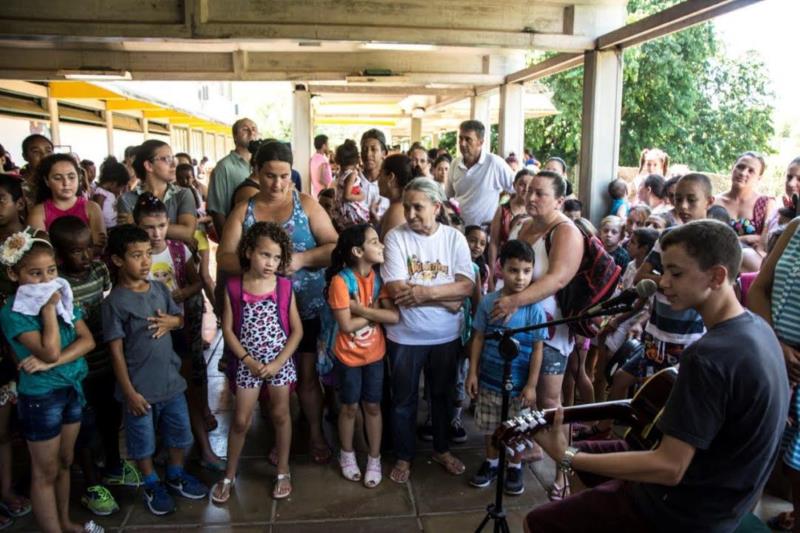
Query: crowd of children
point(103, 320)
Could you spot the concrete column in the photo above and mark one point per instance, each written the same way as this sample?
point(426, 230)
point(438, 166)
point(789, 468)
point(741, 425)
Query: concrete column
point(600, 129)
point(204, 137)
point(109, 116)
point(145, 129)
point(301, 133)
point(171, 131)
point(434, 140)
point(479, 110)
point(55, 123)
point(416, 129)
point(512, 120)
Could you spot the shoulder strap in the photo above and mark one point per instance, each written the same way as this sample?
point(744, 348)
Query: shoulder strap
point(177, 251)
point(283, 294)
point(376, 287)
point(234, 286)
point(350, 280)
point(548, 238)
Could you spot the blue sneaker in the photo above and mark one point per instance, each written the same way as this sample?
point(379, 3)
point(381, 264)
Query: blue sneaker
point(187, 486)
point(157, 500)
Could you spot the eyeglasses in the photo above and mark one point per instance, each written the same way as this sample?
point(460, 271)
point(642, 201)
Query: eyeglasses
point(168, 159)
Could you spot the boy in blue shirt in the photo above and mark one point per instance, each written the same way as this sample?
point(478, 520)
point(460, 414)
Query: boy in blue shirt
point(485, 380)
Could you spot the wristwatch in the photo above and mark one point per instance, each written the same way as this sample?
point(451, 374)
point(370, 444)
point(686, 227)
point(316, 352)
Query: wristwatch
point(565, 464)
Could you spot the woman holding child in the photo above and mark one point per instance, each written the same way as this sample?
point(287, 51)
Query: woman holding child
point(313, 238)
point(554, 240)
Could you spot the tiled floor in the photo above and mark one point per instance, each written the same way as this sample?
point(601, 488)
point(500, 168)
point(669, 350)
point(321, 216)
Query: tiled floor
point(322, 501)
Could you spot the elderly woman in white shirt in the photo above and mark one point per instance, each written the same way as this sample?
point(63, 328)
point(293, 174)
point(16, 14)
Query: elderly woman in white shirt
point(428, 272)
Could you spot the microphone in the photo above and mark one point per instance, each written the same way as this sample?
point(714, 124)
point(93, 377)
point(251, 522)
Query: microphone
point(644, 289)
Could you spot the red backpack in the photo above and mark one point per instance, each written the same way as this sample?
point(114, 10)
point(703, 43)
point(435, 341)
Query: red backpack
point(595, 281)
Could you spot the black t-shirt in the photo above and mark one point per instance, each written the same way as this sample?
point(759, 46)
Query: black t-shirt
point(730, 402)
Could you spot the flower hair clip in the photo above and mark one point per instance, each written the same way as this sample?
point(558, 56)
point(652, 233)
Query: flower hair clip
point(15, 246)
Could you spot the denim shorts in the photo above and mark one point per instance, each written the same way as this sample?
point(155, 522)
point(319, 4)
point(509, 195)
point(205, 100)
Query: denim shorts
point(42, 416)
point(553, 362)
point(170, 418)
point(360, 383)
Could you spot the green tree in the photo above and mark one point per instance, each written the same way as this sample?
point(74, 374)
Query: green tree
point(680, 93)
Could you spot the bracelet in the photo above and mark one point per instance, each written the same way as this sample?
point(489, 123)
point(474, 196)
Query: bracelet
point(245, 356)
point(565, 464)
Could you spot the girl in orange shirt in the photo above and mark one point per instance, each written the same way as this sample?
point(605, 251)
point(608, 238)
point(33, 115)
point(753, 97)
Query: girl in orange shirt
point(359, 308)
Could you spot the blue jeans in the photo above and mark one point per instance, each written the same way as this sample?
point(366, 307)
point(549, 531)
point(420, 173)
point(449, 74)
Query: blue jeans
point(170, 417)
point(405, 364)
point(42, 416)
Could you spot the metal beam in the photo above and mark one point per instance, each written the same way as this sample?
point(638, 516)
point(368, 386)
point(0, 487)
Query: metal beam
point(79, 89)
point(675, 18)
point(388, 90)
point(554, 65)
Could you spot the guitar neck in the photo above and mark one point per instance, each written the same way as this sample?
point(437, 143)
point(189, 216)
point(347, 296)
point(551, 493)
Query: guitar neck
point(616, 410)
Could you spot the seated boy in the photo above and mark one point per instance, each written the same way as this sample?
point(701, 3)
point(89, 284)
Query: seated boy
point(485, 379)
point(138, 316)
point(721, 425)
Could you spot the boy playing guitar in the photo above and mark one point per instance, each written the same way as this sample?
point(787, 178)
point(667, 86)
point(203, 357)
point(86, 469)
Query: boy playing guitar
point(722, 423)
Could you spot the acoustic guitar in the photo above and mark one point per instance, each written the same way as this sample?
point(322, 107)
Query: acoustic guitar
point(639, 413)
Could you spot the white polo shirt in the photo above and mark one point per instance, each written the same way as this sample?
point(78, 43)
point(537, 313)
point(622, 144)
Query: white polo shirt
point(477, 189)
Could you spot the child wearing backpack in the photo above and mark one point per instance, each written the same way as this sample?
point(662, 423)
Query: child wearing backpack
point(174, 266)
point(262, 329)
point(353, 293)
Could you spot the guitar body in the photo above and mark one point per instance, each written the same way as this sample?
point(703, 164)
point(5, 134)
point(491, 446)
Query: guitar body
point(640, 414)
point(647, 406)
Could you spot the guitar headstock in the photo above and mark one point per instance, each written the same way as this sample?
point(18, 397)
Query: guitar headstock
point(515, 432)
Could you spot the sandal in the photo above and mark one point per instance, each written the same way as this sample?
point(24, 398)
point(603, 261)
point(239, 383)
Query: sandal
point(350, 470)
point(556, 492)
point(282, 481)
point(782, 521)
point(321, 455)
point(219, 466)
point(221, 492)
point(374, 473)
point(450, 462)
point(16, 506)
point(400, 475)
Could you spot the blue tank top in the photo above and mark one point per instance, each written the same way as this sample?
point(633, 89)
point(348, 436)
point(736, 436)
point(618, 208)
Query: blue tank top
point(308, 283)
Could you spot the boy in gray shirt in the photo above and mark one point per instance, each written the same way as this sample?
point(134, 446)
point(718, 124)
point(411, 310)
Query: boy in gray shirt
point(138, 316)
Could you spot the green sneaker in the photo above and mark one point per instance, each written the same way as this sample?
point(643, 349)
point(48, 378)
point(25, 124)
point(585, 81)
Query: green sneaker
point(128, 476)
point(99, 501)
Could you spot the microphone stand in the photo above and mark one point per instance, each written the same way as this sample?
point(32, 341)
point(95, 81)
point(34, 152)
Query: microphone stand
point(509, 349)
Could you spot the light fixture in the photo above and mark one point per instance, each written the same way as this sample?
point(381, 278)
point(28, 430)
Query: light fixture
point(399, 47)
point(417, 112)
point(95, 74)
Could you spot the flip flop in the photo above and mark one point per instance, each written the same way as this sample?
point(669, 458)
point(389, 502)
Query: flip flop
point(214, 466)
point(16, 507)
point(322, 455)
point(282, 480)
point(225, 486)
point(400, 475)
point(451, 463)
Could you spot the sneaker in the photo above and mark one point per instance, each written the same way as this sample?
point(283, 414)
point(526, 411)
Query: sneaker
point(456, 431)
point(158, 500)
point(514, 484)
point(485, 475)
point(425, 431)
point(127, 476)
point(99, 501)
point(188, 486)
point(92, 527)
